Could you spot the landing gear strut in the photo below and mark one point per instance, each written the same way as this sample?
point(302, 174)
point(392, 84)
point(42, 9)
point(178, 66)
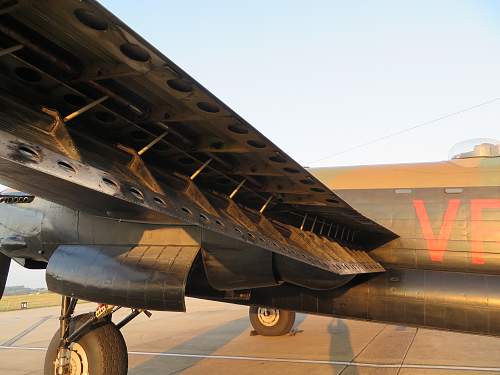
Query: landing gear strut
point(271, 322)
point(88, 344)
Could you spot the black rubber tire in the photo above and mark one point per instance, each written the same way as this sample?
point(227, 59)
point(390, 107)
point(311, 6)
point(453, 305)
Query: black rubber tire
point(282, 327)
point(103, 343)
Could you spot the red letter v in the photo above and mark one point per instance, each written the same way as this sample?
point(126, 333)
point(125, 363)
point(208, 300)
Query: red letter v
point(437, 246)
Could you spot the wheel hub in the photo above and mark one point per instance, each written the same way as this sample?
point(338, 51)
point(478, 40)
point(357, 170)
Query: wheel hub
point(268, 317)
point(78, 362)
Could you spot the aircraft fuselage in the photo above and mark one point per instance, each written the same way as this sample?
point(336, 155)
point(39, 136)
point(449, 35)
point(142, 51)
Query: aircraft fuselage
point(443, 271)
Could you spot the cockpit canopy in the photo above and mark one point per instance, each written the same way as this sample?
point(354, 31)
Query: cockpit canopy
point(476, 148)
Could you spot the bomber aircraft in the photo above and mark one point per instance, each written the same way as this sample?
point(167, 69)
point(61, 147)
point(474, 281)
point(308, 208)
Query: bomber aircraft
point(142, 188)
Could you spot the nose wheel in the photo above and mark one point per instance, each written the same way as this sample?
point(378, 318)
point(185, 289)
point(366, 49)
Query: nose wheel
point(270, 321)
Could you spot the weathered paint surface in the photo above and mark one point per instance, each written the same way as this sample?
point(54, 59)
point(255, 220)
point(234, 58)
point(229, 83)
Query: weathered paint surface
point(447, 214)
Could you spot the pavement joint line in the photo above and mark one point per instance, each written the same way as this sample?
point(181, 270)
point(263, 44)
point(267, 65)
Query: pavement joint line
point(19, 336)
point(364, 348)
point(290, 360)
point(410, 345)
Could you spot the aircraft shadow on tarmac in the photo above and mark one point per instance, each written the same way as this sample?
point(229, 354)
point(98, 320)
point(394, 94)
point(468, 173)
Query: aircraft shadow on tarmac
point(210, 342)
point(205, 344)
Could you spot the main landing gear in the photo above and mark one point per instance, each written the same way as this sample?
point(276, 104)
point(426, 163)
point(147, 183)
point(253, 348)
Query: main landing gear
point(271, 322)
point(88, 344)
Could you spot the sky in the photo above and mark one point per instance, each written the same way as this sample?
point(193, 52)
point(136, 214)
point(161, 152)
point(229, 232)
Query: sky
point(321, 77)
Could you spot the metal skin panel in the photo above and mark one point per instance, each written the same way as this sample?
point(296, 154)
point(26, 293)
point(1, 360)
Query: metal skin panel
point(81, 186)
point(20, 232)
point(156, 167)
point(464, 240)
point(149, 277)
point(227, 268)
point(95, 119)
point(72, 54)
point(435, 299)
point(303, 275)
point(418, 288)
point(472, 172)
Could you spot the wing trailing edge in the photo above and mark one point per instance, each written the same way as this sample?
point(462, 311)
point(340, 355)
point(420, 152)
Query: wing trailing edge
point(95, 118)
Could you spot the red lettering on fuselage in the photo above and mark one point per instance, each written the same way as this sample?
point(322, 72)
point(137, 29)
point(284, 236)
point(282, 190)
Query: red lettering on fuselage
point(482, 230)
point(437, 246)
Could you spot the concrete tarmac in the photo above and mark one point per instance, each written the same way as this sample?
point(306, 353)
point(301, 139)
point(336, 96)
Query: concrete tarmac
point(214, 338)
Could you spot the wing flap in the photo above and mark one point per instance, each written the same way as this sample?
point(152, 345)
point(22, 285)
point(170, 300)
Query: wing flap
point(110, 87)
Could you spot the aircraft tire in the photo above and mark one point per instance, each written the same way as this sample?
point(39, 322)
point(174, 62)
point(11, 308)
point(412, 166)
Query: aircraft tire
point(271, 322)
point(100, 351)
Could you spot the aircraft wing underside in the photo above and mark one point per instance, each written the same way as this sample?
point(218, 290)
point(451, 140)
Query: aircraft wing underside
point(95, 118)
